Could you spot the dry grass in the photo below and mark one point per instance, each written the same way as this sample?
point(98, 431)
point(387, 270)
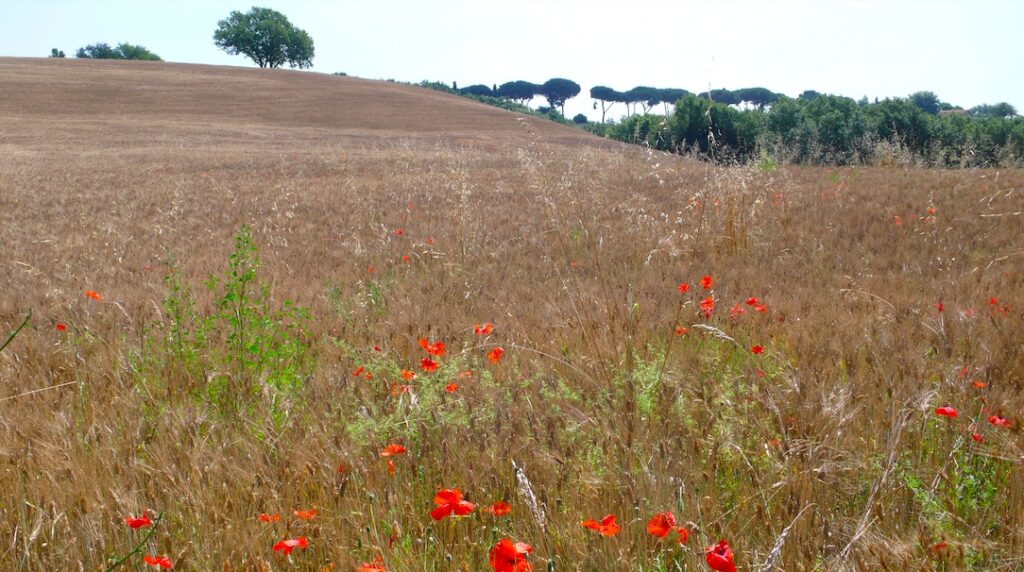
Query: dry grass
point(573, 248)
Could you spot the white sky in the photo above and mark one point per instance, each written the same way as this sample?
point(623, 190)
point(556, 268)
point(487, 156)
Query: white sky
point(966, 52)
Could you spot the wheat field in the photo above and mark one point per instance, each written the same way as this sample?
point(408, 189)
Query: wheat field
point(787, 404)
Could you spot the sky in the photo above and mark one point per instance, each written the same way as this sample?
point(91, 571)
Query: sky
point(966, 52)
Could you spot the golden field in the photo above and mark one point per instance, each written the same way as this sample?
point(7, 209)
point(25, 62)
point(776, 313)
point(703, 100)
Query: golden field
point(886, 293)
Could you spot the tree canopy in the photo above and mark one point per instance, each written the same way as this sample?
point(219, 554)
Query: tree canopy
point(558, 90)
point(1000, 110)
point(927, 101)
point(479, 90)
point(103, 51)
point(521, 91)
point(266, 37)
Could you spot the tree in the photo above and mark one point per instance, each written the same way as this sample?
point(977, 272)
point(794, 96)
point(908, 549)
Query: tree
point(580, 119)
point(131, 52)
point(721, 96)
point(757, 96)
point(519, 91)
point(558, 90)
point(669, 96)
point(266, 37)
point(123, 51)
point(810, 94)
point(1000, 110)
point(607, 96)
point(55, 53)
point(646, 96)
point(478, 90)
point(99, 51)
point(926, 101)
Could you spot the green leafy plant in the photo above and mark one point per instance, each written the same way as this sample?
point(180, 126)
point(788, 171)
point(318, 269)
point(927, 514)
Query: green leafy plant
point(241, 348)
point(260, 347)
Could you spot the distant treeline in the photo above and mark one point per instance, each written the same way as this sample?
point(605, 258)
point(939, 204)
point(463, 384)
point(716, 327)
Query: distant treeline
point(103, 51)
point(834, 130)
point(754, 123)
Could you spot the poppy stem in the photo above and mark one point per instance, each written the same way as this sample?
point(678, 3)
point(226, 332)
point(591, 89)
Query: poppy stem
point(138, 547)
point(668, 348)
point(18, 329)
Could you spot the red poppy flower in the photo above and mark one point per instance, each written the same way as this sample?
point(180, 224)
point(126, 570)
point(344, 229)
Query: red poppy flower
point(506, 556)
point(607, 526)
point(976, 437)
point(430, 240)
point(94, 295)
point(763, 308)
point(398, 232)
point(406, 258)
point(428, 365)
point(495, 355)
point(305, 514)
point(499, 508)
point(931, 210)
point(392, 450)
point(286, 546)
point(707, 306)
point(398, 389)
point(752, 301)
point(940, 546)
point(158, 561)
point(681, 331)
point(138, 522)
point(369, 269)
point(408, 375)
point(451, 387)
point(736, 311)
point(483, 330)
point(999, 421)
point(264, 517)
point(660, 524)
point(897, 219)
point(391, 467)
point(376, 566)
point(719, 557)
point(683, 288)
point(978, 384)
point(757, 349)
point(449, 501)
point(62, 327)
point(434, 349)
point(376, 348)
point(368, 375)
point(359, 371)
point(947, 411)
point(684, 534)
point(939, 307)
point(706, 282)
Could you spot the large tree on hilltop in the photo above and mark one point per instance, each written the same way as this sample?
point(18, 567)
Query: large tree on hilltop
point(607, 96)
point(927, 101)
point(266, 37)
point(521, 91)
point(558, 90)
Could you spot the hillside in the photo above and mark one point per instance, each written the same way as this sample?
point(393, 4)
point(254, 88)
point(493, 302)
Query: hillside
point(274, 306)
point(115, 104)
